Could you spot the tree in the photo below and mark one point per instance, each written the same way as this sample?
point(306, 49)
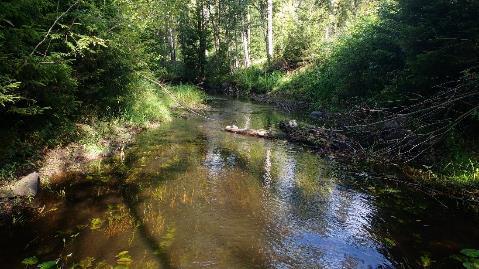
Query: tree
point(269, 30)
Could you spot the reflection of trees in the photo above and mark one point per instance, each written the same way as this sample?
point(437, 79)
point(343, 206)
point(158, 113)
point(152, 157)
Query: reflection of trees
point(215, 217)
point(267, 166)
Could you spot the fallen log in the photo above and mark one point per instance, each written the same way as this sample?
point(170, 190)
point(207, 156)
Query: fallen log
point(250, 132)
point(322, 139)
point(319, 138)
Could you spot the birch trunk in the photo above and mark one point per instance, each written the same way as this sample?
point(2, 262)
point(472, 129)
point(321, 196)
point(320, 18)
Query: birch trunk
point(269, 38)
point(331, 28)
point(172, 44)
point(246, 39)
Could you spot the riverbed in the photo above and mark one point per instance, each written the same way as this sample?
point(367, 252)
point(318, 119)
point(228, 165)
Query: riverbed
point(189, 195)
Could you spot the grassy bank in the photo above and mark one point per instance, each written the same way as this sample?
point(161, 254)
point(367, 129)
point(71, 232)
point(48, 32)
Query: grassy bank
point(70, 146)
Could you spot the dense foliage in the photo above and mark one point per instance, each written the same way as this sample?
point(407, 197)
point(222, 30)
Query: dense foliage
point(64, 62)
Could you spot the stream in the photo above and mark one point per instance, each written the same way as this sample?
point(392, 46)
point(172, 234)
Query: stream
point(189, 195)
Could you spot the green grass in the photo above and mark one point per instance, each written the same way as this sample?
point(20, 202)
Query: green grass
point(460, 164)
point(465, 172)
point(256, 79)
point(185, 95)
point(150, 103)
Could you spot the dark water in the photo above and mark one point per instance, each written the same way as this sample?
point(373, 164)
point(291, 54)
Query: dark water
point(189, 195)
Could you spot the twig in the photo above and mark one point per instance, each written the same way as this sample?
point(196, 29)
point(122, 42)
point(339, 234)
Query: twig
point(53, 25)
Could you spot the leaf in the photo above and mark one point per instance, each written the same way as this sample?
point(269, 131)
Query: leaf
point(95, 223)
point(471, 265)
point(473, 253)
point(123, 258)
point(48, 265)
point(30, 260)
point(122, 254)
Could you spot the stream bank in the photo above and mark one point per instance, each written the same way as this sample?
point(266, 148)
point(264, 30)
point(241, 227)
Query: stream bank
point(97, 142)
point(333, 133)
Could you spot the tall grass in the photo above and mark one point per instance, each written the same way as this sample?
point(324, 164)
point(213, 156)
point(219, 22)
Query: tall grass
point(149, 103)
point(185, 95)
point(256, 79)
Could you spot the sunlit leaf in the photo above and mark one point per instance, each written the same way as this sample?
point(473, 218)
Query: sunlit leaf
point(30, 260)
point(48, 265)
point(124, 259)
point(473, 253)
point(95, 223)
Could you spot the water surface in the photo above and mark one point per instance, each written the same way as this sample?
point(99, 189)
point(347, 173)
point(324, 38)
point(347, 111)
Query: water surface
point(189, 195)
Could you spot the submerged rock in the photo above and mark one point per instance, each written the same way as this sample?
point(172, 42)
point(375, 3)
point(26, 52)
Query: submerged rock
point(292, 124)
point(317, 114)
point(25, 187)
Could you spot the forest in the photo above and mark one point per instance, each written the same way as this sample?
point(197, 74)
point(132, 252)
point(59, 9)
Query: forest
point(65, 62)
point(392, 85)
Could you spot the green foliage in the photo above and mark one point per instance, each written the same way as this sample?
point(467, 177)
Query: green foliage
point(185, 95)
point(256, 80)
point(361, 65)
point(462, 163)
point(150, 103)
point(95, 223)
point(124, 259)
point(146, 103)
point(296, 47)
point(69, 61)
point(48, 265)
point(469, 258)
point(30, 261)
point(7, 94)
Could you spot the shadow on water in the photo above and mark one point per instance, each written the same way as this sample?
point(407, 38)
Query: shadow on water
point(151, 242)
point(192, 196)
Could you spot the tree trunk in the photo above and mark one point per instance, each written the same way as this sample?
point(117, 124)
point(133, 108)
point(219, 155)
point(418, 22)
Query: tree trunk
point(331, 27)
point(269, 38)
point(215, 22)
point(172, 44)
point(202, 46)
point(246, 39)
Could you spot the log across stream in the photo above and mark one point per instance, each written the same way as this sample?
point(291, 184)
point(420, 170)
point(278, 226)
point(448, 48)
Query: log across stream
point(319, 138)
point(250, 132)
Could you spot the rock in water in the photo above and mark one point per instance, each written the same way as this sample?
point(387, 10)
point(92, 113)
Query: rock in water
point(292, 124)
point(25, 187)
point(317, 115)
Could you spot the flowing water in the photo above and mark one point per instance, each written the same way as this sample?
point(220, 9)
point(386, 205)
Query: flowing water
point(189, 195)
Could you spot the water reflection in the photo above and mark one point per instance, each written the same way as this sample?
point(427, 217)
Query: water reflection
point(192, 196)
